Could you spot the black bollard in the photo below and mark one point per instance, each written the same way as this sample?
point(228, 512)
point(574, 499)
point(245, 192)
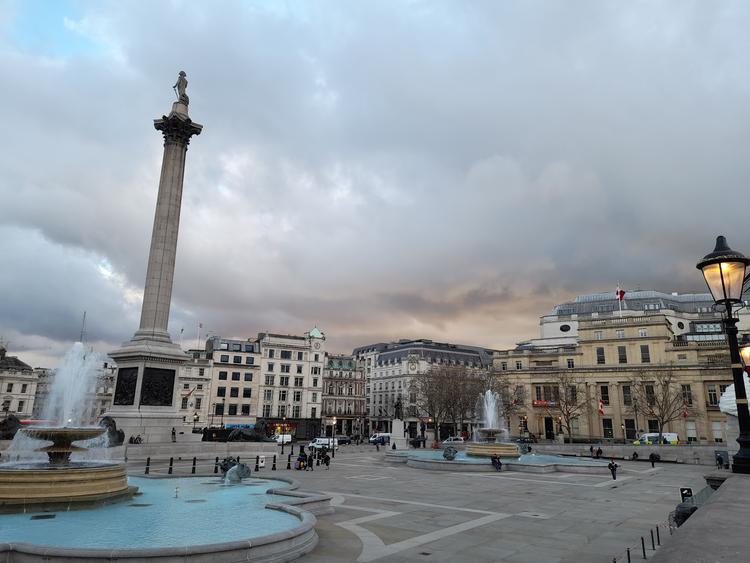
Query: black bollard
point(257, 461)
point(658, 539)
point(289, 462)
point(193, 469)
point(216, 465)
point(238, 459)
point(628, 555)
point(317, 461)
point(148, 465)
point(333, 451)
point(273, 467)
point(171, 461)
point(643, 547)
point(653, 546)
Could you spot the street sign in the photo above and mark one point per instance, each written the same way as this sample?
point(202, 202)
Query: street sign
point(685, 493)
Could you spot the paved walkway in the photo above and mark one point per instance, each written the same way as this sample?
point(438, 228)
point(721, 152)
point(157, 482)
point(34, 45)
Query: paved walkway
point(397, 514)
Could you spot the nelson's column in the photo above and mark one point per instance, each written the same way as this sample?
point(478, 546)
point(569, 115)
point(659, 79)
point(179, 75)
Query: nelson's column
point(146, 397)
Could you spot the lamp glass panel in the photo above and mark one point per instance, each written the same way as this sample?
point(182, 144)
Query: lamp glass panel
point(745, 355)
point(732, 273)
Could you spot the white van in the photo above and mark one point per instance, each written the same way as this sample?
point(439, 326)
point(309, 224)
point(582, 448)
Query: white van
point(319, 443)
point(652, 438)
point(283, 438)
point(381, 438)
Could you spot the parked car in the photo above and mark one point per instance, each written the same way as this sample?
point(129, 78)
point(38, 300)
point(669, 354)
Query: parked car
point(283, 438)
point(318, 443)
point(343, 440)
point(653, 438)
point(381, 438)
point(453, 440)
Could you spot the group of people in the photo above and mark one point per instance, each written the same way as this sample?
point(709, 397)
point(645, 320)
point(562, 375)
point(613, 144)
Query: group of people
point(306, 461)
point(595, 453)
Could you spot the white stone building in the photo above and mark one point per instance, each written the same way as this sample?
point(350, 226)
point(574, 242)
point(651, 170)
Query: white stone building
point(194, 382)
point(18, 383)
point(343, 396)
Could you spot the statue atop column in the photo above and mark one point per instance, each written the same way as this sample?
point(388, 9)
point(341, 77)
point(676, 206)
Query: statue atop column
point(180, 87)
point(398, 410)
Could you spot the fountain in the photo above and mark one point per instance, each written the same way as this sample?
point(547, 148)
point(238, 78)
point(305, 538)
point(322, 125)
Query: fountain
point(61, 480)
point(492, 438)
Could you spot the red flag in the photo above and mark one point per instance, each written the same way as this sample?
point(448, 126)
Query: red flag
point(685, 411)
point(619, 294)
point(601, 407)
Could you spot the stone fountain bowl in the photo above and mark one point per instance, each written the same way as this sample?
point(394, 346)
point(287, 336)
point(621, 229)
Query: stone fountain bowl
point(63, 435)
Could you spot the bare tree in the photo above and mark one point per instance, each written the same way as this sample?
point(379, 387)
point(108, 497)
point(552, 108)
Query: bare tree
point(568, 401)
point(433, 390)
point(462, 398)
point(658, 396)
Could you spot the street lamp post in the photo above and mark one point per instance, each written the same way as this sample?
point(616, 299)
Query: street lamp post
point(724, 272)
point(283, 433)
point(223, 407)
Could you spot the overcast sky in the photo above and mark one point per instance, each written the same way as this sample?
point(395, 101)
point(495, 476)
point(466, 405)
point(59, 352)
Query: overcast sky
point(385, 170)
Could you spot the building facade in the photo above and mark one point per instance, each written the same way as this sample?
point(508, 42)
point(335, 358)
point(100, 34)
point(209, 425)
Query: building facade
point(18, 382)
point(390, 368)
point(194, 381)
point(343, 396)
point(604, 351)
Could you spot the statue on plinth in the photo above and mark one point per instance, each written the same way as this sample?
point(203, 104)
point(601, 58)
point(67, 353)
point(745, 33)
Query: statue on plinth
point(180, 87)
point(398, 410)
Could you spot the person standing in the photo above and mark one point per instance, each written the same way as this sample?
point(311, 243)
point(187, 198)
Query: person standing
point(719, 461)
point(174, 434)
point(652, 458)
point(598, 453)
point(613, 469)
point(591, 449)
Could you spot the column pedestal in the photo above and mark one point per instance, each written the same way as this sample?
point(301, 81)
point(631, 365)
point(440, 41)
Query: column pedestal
point(397, 435)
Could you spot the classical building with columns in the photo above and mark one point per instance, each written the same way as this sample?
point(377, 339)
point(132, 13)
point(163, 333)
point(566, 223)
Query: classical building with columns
point(343, 396)
point(605, 345)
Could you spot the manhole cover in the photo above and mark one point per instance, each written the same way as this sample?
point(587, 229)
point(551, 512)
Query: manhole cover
point(425, 553)
point(137, 505)
point(43, 516)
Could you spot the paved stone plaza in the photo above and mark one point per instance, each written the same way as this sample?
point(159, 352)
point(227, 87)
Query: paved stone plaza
point(398, 514)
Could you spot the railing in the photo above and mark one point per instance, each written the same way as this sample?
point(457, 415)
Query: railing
point(641, 549)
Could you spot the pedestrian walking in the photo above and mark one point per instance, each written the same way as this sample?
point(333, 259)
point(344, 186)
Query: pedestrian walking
point(719, 461)
point(174, 435)
point(598, 452)
point(591, 449)
point(310, 461)
point(327, 461)
point(613, 469)
point(653, 458)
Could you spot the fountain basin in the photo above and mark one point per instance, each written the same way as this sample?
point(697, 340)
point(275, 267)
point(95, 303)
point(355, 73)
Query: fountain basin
point(488, 449)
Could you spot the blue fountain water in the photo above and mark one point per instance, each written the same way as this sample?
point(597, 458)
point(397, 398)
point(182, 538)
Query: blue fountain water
point(204, 511)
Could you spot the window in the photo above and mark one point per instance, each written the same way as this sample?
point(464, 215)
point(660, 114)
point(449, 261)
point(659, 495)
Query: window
point(607, 428)
point(299, 368)
point(645, 354)
point(682, 356)
point(299, 356)
point(643, 332)
point(600, 356)
point(650, 394)
point(237, 360)
point(282, 394)
point(571, 394)
point(692, 434)
point(184, 404)
point(245, 410)
point(247, 393)
point(224, 358)
point(281, 411)
point(286, 355)
point(284, 380)
point(296, 411)
point(201, 371)
point(653, 425)
point(271, 353)
point(315, 370)
point(270, 366)
point(248, 376)
point(23, 387)
point(315, 382)
point(571, 363)
point(184, 386)
point(598, 335)
point(199, 387)
point(285, 368)
point(317, 358)
point(622, 355)
point(9, 389)
point(687, 395)
point(313, 412)
point(269, 380)
point(620, 333)
point(224, 346)
point(221, 391)
point(314, 398)
point(198, 402)
point(235, 376)
point(249, 360)
point(627, 396)
point(219, 408)
point(248, 347)
point(298, 381)
point(717, 431)
point(297, 396)
point(266, 411)
point(630, 432)
point(519, 364)
point(504, 366)
point(234, 392)
point(713, 398)
point(236, 347)
point(233, 410)
point(604, 390)
point(222, 375)
point(268, 395)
